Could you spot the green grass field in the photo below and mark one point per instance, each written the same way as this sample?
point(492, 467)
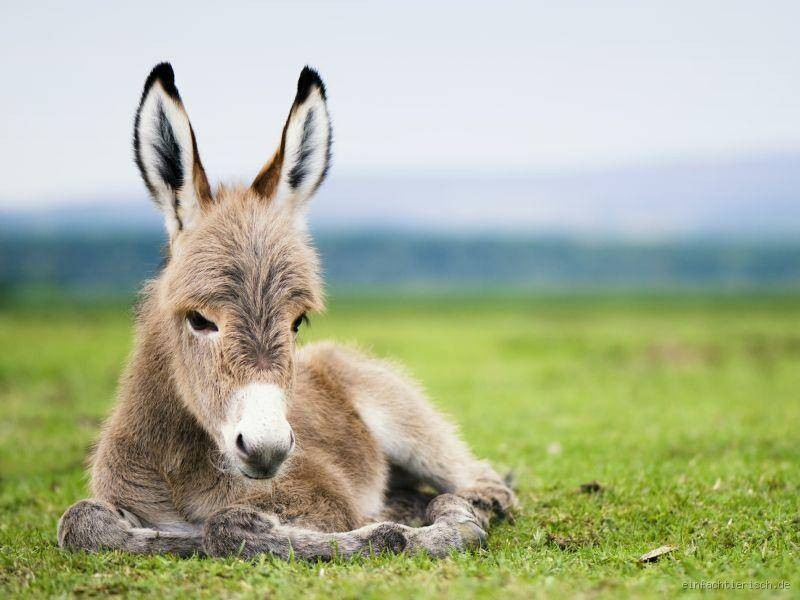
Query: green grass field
point(684, 409)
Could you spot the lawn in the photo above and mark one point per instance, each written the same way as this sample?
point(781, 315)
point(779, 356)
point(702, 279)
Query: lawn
point(684, 410)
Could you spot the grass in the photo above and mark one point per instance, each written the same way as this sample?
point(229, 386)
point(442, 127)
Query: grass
point(684, 410)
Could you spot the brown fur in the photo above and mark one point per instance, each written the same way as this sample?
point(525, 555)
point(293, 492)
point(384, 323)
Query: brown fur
point(368, 445)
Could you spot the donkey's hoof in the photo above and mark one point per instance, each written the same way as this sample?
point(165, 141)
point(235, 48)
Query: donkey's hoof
point(472, 536)
point(446, 536)
point(236, 531)
point(92, 525)
point(388, 537)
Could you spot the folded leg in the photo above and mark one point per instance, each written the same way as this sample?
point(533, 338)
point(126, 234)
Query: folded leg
point(246, 531)
point(94, 525)
point(423, 445)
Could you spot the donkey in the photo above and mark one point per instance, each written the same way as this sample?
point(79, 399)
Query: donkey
point(227, 438)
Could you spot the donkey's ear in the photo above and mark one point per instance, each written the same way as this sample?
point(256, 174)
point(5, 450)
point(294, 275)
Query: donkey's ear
point(301, 162)
point(166, 153)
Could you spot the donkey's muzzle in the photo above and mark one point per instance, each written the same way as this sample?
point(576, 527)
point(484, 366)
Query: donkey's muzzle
point(262, 461)
point(256, 433)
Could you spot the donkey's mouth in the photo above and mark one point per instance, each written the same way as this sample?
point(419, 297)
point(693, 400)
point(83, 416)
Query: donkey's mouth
point(259, 475)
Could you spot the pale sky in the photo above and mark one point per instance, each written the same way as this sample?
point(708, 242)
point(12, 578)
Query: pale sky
point(414, 87)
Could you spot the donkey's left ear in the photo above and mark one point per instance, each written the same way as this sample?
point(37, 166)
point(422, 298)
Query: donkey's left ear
point(301, 162)
point(166, 153)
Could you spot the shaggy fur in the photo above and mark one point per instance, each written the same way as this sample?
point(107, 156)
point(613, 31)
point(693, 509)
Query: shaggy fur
point(361, 455)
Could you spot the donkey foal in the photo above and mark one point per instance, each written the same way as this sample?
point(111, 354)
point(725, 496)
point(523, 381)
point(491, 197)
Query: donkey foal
point(226, 438)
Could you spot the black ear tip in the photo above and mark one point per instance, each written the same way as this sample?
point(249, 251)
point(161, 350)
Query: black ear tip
point(164, 71)
point(164, 74)
point(309, 78)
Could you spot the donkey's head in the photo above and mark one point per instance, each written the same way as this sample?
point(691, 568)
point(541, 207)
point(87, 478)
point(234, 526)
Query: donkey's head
point(242, 273)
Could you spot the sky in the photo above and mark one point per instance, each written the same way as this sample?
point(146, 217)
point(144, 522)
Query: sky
point(426, 88)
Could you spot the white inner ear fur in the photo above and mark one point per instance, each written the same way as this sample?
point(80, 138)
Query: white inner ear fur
point(150, 137)
point(305, 150)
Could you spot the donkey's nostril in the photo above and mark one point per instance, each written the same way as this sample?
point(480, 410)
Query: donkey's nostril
point(240, 444)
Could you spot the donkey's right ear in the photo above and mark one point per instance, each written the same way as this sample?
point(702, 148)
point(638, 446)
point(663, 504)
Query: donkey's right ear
point(301, 162)
point(166, 153)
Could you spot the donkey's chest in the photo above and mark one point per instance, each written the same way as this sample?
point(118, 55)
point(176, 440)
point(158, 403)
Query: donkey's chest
point(337, 462)
point(309, 485)
point(198, 494)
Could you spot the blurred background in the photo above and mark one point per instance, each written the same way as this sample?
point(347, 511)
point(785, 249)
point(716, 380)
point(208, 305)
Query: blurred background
point(576, 223)
point(519, 145)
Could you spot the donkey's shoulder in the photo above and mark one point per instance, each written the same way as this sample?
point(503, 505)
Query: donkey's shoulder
point(348, 359)
point(329, 352)
point(355, 372)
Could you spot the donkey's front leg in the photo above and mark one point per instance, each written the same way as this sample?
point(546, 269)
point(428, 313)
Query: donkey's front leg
point(246, 531)
point(95, 525)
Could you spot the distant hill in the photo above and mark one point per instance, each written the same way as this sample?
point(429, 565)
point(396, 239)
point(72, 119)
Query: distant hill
point(754, 198)
point(734, 224)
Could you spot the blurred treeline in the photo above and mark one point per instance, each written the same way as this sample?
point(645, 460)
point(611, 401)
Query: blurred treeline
point(117, 263)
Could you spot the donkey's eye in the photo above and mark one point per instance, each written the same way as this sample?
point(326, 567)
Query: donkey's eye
point(299, 321)
point(199, 323)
